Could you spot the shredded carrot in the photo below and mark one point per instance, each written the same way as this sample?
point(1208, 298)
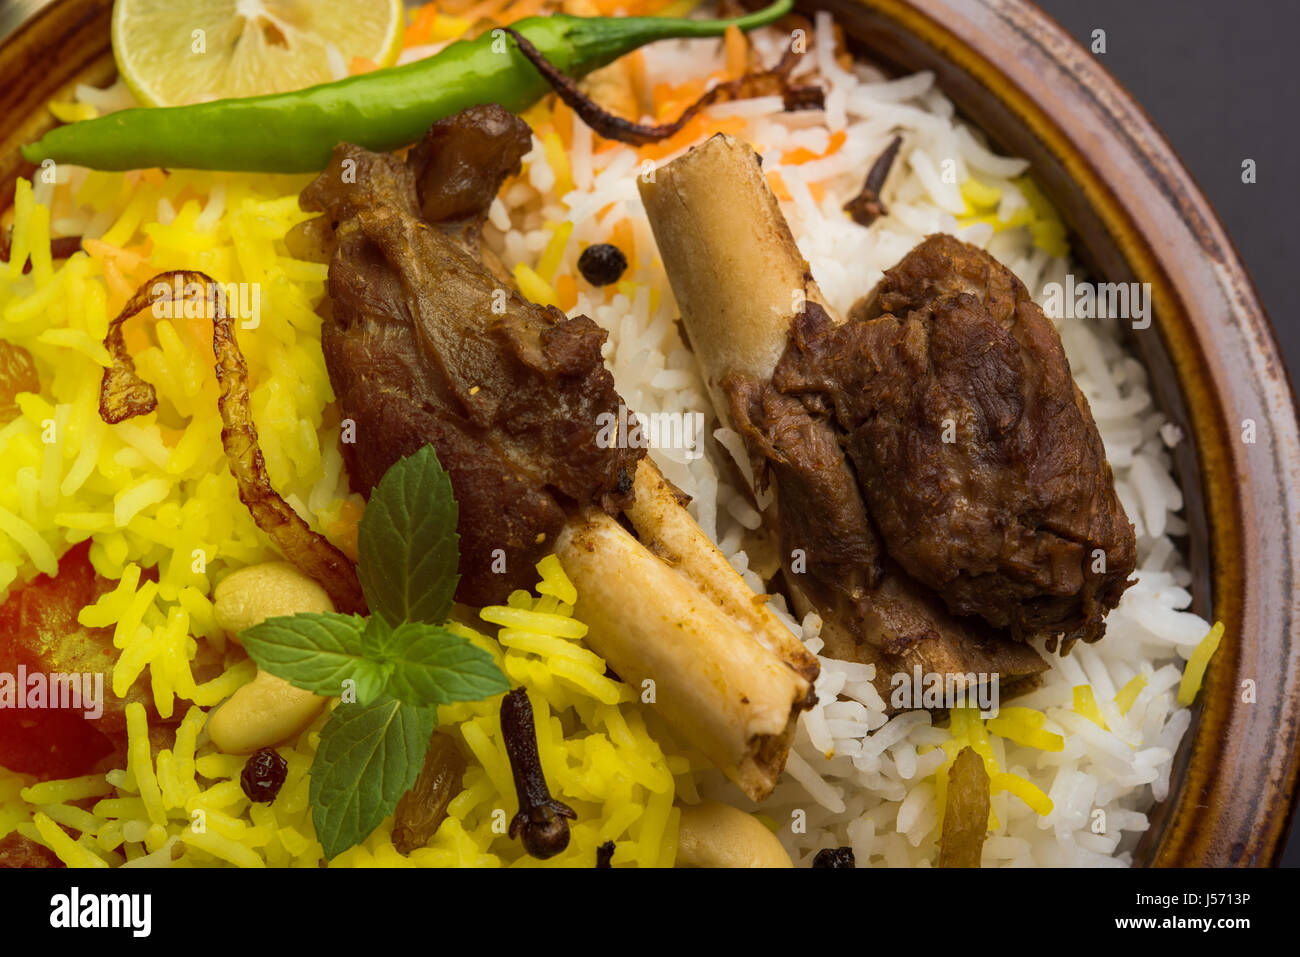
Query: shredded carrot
point(636, 71)
point(200, 330)
point(421, 28)
point(737, 48)
point(539, 116)
point(566, 290)
point(803, 155)
point(361, 64)
point(486, 10)
point(130, 261)
point(669, 100)
point(519, 10)
point(660, 93)
point(119, 289)
point(699, 127)
point(775, 181)
point(621, 236)
point(562, 120)
point(343, 532)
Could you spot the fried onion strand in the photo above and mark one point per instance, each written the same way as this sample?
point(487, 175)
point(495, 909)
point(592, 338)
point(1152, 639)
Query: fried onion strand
point(773, 82)
point(123, 395)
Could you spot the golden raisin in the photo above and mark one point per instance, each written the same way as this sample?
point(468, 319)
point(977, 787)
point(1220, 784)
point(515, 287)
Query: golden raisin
point(17, 374)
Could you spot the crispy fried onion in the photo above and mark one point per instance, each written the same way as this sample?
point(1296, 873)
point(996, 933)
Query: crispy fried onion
point(123, 394)
point(773, 82)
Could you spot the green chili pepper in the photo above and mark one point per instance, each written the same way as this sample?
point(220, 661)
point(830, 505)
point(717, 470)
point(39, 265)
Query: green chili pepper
point(295, 132)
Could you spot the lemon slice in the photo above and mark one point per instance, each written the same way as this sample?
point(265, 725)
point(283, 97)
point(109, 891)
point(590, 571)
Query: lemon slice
point(172, 52)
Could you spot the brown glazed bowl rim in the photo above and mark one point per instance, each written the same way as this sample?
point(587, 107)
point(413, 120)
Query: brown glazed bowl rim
point(1136, 215)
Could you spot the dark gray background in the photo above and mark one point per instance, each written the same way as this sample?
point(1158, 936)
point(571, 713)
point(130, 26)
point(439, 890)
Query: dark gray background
point(1220, 78)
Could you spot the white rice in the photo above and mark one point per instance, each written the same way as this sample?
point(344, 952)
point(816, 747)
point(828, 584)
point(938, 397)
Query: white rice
point(856, 776)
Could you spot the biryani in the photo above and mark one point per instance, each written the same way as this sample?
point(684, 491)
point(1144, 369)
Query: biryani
point(130, 532)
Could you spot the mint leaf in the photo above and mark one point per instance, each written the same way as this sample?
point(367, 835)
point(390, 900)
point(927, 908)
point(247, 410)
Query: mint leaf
point(317, 652)
point(407, 546)
point(369, 756)
point(432, 665)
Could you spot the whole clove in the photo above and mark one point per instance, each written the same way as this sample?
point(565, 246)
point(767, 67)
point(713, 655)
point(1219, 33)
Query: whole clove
point(540, 823)
point(867, 206)
point(605, 854)
point(773, 82)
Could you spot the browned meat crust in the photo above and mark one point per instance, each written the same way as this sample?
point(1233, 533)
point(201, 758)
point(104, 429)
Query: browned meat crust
point(423, 344)
point(977, 455)
point(824, 529)
point(462, 160)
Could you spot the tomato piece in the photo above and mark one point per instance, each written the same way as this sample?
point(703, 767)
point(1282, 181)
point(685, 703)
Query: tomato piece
point(40, 632)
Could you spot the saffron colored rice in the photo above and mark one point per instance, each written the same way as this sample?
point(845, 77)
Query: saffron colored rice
point(155, 494)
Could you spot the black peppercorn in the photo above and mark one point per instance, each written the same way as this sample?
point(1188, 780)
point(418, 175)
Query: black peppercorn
point(602, 264)
point(834, 857)
point(263, 776)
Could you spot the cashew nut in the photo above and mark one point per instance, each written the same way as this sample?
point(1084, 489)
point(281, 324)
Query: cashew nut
point(265, 712)
point(251, 595)
point(718, 835)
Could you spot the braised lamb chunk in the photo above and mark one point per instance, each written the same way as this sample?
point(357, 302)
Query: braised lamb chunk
point(423, 344)
point(821, 519)
point(461, 162)
point(872, 610)
point(733, 264)
point(977, 455)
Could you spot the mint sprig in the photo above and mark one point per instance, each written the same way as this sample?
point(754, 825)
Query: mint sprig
point(317, 652)
point(432, 664)
point(407, 546)
point(402, 661)
point(416, 663)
